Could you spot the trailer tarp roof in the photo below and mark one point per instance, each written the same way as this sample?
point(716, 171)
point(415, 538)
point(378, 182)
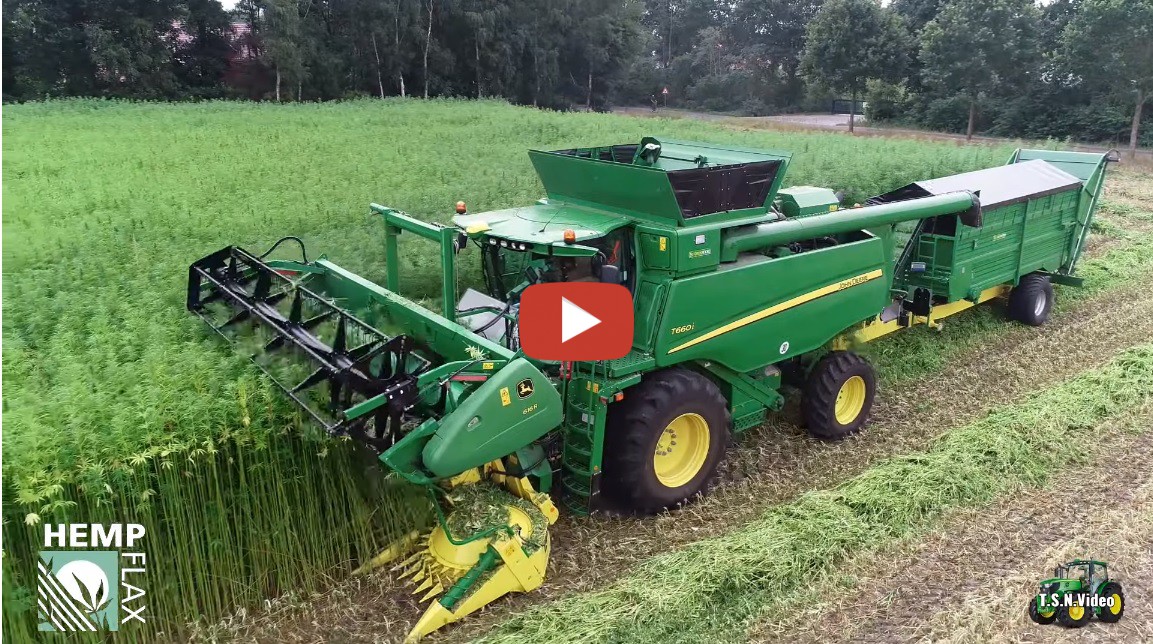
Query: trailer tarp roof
point(1005, 184)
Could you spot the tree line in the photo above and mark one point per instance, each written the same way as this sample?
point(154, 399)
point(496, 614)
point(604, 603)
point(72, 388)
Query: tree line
point(1068, 69)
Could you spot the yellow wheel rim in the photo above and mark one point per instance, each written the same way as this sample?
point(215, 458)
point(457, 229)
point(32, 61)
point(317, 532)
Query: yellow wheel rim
point(681, 450)
point(1046, 612)
point(1076, 612)
point(850, 400)
point(1116, 607)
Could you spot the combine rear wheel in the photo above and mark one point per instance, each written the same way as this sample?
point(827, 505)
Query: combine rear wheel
point(665, 441)
point(1031, 301)
point(838, 395)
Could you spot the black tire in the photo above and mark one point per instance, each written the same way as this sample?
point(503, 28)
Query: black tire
point(1031, 301)
point(1066, 619)
point(634, 430)
point(822, 388)
point(1104, 613)
point(1036, 616)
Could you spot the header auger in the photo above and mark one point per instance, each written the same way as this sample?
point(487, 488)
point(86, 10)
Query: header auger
point(738, 284)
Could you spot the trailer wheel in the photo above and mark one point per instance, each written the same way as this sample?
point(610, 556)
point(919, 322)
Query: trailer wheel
point(838, 395)
point(665, 441)
point(1032, 301)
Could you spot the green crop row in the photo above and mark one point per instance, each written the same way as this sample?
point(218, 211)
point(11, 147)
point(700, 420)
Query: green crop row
point(709, 591)
point(227, 526)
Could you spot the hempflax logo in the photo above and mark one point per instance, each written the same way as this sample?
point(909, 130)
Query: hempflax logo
point(90, 590)
point(77, 591)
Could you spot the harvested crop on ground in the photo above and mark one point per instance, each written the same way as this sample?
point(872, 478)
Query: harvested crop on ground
point(121, 405)
point(709, 590)
point(980, 566)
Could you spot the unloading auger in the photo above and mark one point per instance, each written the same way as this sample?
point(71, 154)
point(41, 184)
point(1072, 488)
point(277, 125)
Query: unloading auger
point(739, 286)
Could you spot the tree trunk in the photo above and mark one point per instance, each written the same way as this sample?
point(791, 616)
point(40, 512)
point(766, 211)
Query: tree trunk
point(476, 45)
point(852, 109)
point(427, 41)
point(536, 70)
point(972, 119)
point(396, 41)
point(278, 83)
point(1136, 124)
point(299, 90)
point(379, 82)
point(589, 100)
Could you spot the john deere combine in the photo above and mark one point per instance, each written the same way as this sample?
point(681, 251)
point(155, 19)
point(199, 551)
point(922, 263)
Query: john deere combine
point(737, 285)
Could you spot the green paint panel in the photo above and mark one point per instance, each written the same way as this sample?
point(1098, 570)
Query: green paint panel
point(698, 306)
point(803, 201)
point(515, 407)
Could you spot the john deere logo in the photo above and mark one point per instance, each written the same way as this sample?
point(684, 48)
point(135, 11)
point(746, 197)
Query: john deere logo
point(78, 591)
point(524, 388)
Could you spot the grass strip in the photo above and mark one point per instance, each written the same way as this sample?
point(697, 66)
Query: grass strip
point(711, 589)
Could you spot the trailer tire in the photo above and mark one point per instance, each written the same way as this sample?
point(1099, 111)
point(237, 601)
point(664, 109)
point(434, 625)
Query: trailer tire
point(642, 471)
point(838, 396)
point(1031, 301)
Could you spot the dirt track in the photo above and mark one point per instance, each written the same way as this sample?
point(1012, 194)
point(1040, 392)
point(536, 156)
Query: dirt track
point(970, 579)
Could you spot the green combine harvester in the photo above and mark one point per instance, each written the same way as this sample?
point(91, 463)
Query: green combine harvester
point(738, 285)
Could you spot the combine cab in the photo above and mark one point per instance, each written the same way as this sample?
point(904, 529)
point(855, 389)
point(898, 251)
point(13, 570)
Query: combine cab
point(735, 282)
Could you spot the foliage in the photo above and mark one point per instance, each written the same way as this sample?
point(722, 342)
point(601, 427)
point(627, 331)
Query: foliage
point(976, 47)
point(852, 41)
point(1123, 68)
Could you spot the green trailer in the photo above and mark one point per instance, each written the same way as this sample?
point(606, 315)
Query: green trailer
point(1036, 215)
point(737, 285)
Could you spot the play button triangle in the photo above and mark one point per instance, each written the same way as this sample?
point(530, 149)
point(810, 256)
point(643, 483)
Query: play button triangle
point(574, 320)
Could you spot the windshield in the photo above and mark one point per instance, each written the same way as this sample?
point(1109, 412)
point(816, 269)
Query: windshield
point(508, 272)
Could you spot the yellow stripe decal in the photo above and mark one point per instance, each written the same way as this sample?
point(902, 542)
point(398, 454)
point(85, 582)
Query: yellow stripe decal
point(783, 306)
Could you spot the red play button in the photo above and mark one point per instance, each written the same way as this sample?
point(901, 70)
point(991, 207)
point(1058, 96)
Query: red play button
point(572, 321)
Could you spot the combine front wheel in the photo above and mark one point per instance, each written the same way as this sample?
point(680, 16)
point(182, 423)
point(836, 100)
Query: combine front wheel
point(838, 395)
point(665, 441)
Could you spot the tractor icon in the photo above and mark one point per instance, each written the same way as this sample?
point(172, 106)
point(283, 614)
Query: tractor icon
point(1077, 591)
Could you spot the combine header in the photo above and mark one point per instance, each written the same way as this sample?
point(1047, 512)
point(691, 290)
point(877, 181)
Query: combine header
point(737, 283)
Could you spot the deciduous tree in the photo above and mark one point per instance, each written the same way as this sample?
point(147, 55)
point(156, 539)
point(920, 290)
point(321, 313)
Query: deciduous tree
point(978, 47)
point(852, 41)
